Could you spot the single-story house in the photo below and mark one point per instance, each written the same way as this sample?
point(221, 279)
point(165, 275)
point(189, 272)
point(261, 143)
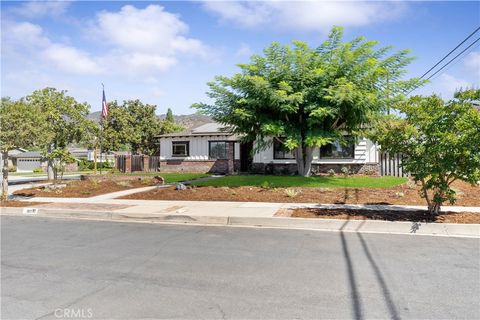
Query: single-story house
point(210, 148)
point(31, 160)
point(12, 161)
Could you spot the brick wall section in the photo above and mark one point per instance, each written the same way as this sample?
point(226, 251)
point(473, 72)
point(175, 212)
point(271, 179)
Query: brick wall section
point(231, 157)
point(146, 163)
point(291, 169)
point(128, 164)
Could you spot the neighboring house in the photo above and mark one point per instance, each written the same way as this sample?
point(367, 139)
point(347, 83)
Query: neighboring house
point(209, 148)
point(29, 161)
point(12, 161)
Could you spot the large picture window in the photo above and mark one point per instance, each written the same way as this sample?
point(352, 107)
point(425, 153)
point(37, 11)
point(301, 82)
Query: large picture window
point(281, 152)
point(217, 150)
point(180, 148)
point(337, 150)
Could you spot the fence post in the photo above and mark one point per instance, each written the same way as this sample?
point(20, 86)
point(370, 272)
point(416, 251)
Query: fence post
point(146, 163)
point(128, 163)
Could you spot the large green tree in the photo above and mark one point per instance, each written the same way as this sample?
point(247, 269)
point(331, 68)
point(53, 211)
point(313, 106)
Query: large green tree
point(65, 121)
point(440, 143)
point(133, 126)
point(308, 97)
point(20, 127)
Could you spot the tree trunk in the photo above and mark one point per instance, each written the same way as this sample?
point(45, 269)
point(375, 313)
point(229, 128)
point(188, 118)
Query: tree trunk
point(304, 157)
point(50, 165)
point(5, 175)
point(434, 209)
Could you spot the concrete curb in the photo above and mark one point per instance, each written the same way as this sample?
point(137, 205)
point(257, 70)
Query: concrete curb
point(363, 226)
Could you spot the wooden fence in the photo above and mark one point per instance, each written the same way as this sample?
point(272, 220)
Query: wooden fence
point(391, 165)
point(137, 163)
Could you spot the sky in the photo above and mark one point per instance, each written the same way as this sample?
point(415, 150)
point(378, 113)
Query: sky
point(164, 53)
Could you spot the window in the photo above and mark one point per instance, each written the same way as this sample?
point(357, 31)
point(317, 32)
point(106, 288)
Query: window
point(217, 150)
point(280, 151)
point(337, 150)
point(180, 148)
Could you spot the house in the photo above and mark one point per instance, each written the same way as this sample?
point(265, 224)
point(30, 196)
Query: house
point(210, 148)
point(31, 160)
point(12, 161)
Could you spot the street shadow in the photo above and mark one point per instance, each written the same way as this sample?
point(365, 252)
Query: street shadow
point(380, 279)
point(354, 294)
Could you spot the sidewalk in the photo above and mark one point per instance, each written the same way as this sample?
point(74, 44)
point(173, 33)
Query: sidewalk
point(256, 214)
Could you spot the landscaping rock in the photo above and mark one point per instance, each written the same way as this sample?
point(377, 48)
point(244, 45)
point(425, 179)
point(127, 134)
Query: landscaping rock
point(56, 186)
point(180, 186)
point(159, 180)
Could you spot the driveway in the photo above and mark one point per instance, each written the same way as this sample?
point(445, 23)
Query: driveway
point(53, 267)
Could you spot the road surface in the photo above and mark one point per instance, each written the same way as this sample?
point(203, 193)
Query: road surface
point(55, 268)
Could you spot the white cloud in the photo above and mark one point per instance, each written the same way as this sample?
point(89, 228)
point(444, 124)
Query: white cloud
point(244, 50)
point(472, 62)
point(71, 60)
point(447, 84)
point(38, 9)
point(146, 38)
point(24, 34)
point(305, 15)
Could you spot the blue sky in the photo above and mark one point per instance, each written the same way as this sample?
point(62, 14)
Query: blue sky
point(164, 52)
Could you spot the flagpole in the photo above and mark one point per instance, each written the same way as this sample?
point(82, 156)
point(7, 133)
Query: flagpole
point(101, 130)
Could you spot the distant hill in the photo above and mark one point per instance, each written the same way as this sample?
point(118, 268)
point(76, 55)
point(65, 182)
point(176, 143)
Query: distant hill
point(187, 120)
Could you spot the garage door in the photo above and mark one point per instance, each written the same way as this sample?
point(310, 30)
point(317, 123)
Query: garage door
point(28, 164)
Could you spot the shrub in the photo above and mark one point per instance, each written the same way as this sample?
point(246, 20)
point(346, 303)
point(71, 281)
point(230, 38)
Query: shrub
point(38, 170)
point(345, 171)
point(291, 193)
point(331, 172)
point(12, 169)
point(266, 185)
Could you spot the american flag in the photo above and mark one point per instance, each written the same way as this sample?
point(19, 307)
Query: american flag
point(104, 106)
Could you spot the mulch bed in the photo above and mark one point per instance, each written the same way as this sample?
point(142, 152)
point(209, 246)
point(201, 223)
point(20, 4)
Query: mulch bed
point(388, 215)
point(85, 188)
point(13, 203)
point(467, 195)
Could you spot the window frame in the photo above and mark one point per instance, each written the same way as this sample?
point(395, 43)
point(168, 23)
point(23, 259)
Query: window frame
point(210, 149)
point(352, 156)
point(187, 149)
point(276, 143)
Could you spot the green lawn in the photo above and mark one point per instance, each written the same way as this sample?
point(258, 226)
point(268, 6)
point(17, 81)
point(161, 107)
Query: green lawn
point(297, 181)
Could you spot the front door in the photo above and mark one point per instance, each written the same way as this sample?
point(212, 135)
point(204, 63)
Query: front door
point(246, 157)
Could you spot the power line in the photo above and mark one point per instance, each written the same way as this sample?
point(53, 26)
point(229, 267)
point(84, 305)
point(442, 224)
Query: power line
point(464, 40)
point(453, 58)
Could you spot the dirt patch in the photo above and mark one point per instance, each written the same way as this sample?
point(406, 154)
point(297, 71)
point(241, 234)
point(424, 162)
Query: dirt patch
point(467, 195)
point(14, 203)
point(85, 188)
point(386, 215)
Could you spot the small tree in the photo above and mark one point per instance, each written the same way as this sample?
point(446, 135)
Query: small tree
point(20, 127)
point(65, 120)
point(440, 143)
point(169, 117)
point(60, 157)
point(308, 96)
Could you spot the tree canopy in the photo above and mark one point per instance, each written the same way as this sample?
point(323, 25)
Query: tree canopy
point(309, 97)
point(133, 126)
point(440, 143)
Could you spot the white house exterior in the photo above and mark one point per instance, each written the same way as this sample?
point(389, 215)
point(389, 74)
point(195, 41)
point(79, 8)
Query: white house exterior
point(210, 149)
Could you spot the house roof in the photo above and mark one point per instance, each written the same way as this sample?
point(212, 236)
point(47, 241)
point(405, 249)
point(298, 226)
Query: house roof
point(28, 154)
point(208, 129)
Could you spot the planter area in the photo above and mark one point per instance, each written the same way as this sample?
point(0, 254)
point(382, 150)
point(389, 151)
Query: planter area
point(85, 188)
point(385, 215)
point(401, 194)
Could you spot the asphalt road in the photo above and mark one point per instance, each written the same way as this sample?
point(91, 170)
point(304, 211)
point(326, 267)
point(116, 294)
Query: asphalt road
point(55, 269)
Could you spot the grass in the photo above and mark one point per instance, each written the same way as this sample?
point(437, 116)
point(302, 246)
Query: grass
point(298, 181)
